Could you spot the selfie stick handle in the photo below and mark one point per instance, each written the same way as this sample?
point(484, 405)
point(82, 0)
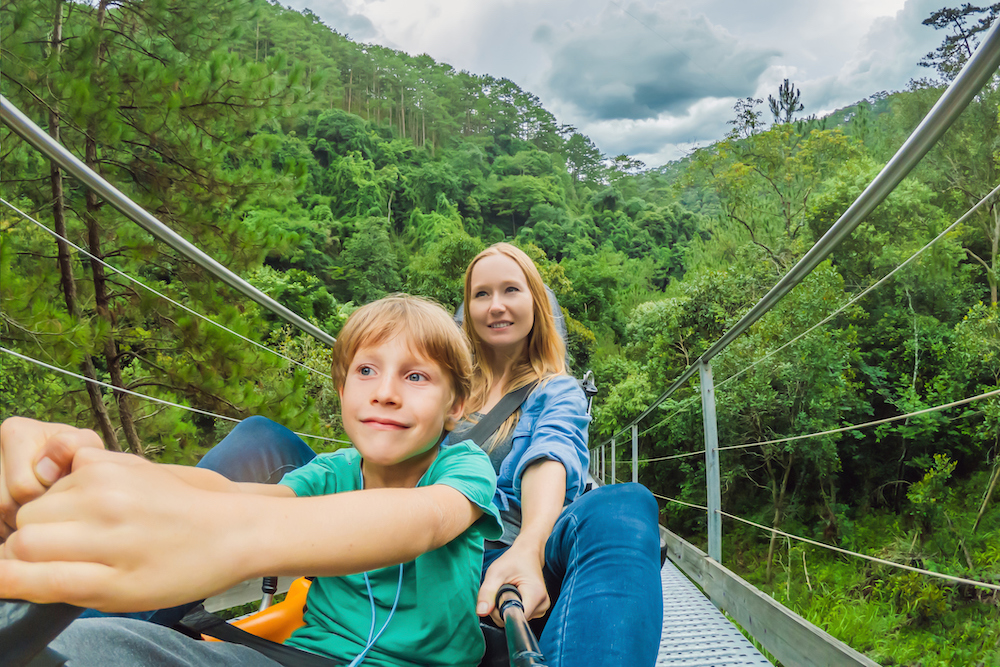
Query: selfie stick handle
point(521, 643)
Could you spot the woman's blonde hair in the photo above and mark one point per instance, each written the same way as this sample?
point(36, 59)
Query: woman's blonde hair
point(424, 325)
point(544, 354)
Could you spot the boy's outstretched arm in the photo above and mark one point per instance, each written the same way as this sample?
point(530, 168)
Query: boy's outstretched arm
point(123, 534)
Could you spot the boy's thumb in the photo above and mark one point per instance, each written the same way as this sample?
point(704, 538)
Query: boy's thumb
point(48, 471)
point(55, 460)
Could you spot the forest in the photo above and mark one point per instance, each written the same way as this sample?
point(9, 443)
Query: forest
point(328, 173)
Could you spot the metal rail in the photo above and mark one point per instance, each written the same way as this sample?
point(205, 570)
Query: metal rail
point(977, 71)
point(38, 138)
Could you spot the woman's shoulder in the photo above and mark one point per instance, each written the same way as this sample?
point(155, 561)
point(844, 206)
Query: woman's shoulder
point(555, 388)
point(560, 382)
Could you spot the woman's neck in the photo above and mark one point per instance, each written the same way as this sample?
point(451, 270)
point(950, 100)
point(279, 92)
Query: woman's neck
point(501, 367)
point(503, 362)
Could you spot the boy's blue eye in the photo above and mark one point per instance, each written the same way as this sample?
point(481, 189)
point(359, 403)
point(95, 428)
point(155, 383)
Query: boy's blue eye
point(365, 370)
point(416, 377)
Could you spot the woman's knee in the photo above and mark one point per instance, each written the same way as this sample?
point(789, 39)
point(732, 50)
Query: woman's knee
point(254, 428)
point(257, 450)
point(628, 510)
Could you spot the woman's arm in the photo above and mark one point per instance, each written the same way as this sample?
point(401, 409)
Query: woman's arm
point(542, 491)
point(123, 534)
point(558, 410)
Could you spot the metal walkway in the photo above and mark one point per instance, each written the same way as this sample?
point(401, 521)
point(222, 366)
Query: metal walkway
point(695, 632)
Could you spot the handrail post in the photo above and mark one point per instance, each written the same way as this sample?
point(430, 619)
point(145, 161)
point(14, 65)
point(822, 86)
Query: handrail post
point(711, 461)
point(602, 464)
point(635, 453)
point(613, 471)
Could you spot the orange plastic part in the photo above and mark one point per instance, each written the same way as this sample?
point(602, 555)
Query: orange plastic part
point(279, 621)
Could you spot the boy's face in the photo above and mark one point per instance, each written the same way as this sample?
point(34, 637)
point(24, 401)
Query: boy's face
point(394, 406)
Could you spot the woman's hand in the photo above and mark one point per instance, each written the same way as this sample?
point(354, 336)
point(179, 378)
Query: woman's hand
point(33, 456)
point(520, 565)
point(121, 534)
point(543, 486)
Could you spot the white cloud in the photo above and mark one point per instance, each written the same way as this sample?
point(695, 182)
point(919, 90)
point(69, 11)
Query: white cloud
point(651, 78)
point(640, 62)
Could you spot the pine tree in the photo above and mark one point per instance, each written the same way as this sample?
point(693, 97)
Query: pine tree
point(787, 104)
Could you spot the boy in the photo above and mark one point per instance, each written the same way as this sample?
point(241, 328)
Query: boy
point(121, 534)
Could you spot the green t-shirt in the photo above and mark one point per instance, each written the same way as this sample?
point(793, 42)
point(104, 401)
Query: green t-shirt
point(435, 622)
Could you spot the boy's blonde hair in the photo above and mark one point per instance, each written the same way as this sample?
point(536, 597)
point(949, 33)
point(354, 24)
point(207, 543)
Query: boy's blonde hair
point(424, 325)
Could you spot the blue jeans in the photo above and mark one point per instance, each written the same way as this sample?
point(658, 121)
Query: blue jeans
point(602, 560)
point(256, 450)
point(602, 572)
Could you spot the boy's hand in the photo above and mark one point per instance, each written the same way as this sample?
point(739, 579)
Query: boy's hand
point(521, 566)
point(120, 534)
point(33, 456)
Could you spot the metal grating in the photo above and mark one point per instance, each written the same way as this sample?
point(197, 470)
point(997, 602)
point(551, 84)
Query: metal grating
point(695, 633)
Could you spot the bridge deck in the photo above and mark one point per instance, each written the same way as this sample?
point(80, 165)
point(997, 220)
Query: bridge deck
point(695, 632)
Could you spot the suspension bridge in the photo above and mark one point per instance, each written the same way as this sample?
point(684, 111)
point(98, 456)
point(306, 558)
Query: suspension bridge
point(700, 594)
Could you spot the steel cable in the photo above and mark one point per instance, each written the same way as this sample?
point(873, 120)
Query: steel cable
point(150, 398)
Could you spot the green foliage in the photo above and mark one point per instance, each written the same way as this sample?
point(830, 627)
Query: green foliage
point(370, 263)
point(931, 493)
point(439, 271)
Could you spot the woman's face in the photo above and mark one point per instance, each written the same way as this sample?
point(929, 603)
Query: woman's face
point(501, 306)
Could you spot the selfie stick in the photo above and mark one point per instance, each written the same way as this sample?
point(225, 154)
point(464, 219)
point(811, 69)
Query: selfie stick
point(521, 643)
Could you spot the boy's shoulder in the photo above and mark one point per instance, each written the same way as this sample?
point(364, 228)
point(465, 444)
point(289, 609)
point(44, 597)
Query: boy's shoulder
point(465, 467)
point(341, 458)
point(464, 454)
point(327, 473)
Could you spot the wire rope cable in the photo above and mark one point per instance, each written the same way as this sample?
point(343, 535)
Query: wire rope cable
point(684, 406)
point(150, 398)
point(846, 552)
point(887, 420)
point(157, 293)
point(672, 457)
point(936, 408)
point(680, 502)
point(882, 561)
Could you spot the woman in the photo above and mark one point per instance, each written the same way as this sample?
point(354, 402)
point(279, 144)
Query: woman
point(587, 565)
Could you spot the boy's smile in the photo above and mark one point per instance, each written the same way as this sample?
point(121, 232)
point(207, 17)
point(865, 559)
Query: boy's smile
point(394, 406)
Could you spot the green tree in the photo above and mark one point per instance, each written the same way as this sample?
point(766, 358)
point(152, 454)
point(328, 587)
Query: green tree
point(958, 46)
point(787, 104)
point(371, 266)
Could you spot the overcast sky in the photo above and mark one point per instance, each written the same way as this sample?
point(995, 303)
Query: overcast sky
point(654, 79)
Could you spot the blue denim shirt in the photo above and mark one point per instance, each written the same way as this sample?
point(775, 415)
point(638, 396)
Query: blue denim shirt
point(553, 425)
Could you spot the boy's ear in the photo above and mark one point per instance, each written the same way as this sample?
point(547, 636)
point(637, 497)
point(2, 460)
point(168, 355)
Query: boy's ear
point(454, 414)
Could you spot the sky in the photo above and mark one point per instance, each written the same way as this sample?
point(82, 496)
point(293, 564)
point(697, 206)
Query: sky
point(652, 79)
